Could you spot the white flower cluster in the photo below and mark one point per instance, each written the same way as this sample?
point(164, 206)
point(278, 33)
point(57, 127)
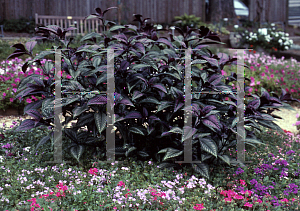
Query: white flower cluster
point(252, 36)
point(268, 38)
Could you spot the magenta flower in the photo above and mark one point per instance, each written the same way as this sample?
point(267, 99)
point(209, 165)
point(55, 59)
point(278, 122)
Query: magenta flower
point(14, 89)
point(28, 100)
point(11, 99)
point(18, 79)
point(272, 76)
point(248, 205)
point(121, 183)
point(4, 94)
point(263, 74)
point(93, 171)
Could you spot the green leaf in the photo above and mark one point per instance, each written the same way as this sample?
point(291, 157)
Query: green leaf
point(225, 158)
point(235, 121)
point(101, 79)
point(202, 169)
point(176, 130)
point(116, 28)
point(77, 151)
point(130, 150)
point(171, 153)
point(43, 141)
point(143, 154)
point(100, 119)
point(136, 130)
point(163, 105)
point(252, 140)
point(139, 66)
point(89, 36)
point(96, 61)
point(79, 110)
point(43, 54)
point(150, 100)
point(190, 132)
point(209, 146)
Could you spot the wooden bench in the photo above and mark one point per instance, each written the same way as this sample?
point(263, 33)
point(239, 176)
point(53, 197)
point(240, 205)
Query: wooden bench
point(83, 27)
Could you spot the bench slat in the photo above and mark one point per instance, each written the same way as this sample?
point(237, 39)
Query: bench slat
point(68, 21)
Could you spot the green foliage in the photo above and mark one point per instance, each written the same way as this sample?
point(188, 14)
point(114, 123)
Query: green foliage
point(22, 24)
point(149, 79)
point(187, 20)
point(192, 21)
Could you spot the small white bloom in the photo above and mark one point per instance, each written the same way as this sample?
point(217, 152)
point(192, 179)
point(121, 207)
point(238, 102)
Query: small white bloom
point(287, 34)
point(286, 47)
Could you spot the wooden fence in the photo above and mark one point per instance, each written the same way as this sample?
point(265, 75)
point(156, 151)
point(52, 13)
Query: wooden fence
point(294, 12)
point(270, 11)
point(83, 26)
point(160, 11)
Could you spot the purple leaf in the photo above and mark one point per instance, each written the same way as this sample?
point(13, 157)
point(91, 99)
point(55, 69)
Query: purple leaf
point(145, 112)
point(207, 109)
point(177, 106)
point(160, 87)
point(215, 79)
point(126, 102)
point(152, 117)
point(254, 104)
point(212, 61)
point(34, 113)
point(26, 125)
point(14, 55)
point(133, 115)
point(165, 41)
point(30, 45)
point(97, 100)
point(140, 46)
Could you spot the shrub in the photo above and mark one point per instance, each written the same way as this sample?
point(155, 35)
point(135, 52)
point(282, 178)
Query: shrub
point(149, 101)
point(19, 25)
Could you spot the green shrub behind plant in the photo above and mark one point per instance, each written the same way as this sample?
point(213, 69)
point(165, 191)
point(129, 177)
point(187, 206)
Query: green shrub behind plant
point(22, 24)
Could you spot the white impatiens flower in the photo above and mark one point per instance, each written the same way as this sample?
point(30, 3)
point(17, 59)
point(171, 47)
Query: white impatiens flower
point(287, 34)
point(286, 47)
point(1, 159)
point(26, 149)
point(280, 41)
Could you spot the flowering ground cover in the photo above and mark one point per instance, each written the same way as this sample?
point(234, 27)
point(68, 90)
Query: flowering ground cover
point(270, 182)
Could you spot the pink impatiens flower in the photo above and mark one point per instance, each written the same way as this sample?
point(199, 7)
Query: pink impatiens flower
point(199, 207)
point(248, 205)
point(121, 183)
point(93, 171)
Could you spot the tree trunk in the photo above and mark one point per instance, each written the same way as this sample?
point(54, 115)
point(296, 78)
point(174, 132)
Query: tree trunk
point(219, 9)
